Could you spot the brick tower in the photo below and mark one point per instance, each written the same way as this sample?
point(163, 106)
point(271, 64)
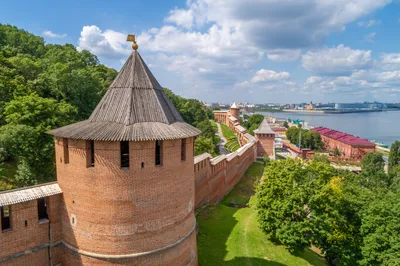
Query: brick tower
point(235, 111)
point(127, 177)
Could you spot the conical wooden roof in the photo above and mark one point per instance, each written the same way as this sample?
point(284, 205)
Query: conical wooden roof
point(135, 108)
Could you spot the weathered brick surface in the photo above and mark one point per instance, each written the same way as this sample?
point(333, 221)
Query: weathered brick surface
point(23, 238)
point(124, 211)
point(214, 181)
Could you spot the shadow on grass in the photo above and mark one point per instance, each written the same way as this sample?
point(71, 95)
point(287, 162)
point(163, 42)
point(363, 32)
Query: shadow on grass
point(223, 241)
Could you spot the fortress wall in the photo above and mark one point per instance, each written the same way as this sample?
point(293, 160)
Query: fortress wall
point(30, 241)
point(216, 177)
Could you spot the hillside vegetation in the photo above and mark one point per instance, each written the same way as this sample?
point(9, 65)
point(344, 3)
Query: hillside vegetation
point(46, 86)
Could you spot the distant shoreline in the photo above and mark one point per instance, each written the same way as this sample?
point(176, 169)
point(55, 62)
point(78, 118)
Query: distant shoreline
point(343, 111)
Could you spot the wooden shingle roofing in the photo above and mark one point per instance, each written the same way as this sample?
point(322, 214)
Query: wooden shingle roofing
point(19, 195)
point(135, 108)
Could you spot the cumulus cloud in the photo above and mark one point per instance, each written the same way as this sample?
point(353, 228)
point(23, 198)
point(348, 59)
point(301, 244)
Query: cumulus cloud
point(338, 61)
point(284, 55)
point(369, 23)
point(181, 17)
point(49, 33)
point(264, 75)
point(217, 44)
point(109, 44)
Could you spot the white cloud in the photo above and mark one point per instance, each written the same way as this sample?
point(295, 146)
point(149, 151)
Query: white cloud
point(109, 44)
point(216, 44)
point(369, 23)
point(49, 33)
point(339, 61)
point(370, 37)
point(390, 58)
point(181, 17)
point(264, 75)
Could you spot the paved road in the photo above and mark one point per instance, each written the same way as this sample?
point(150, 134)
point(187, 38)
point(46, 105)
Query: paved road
point(222, 142)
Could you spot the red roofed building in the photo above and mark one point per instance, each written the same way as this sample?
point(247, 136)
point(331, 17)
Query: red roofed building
point(348, 145)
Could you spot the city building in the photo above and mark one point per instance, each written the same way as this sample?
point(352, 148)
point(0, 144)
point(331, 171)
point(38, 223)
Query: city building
point(281, 131)
point(349, 146)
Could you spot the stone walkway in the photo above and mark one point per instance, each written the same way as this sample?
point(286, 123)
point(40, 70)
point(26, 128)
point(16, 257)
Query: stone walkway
point(222, 142)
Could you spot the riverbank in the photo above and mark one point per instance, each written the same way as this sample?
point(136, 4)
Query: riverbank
point(380, 126)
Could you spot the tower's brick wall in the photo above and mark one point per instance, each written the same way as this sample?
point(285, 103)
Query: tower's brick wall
point(35, 238)
point(131, 210)
point(265, 144)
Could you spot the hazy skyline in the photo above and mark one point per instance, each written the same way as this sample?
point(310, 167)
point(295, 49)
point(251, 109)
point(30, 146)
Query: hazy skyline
point(249, 51)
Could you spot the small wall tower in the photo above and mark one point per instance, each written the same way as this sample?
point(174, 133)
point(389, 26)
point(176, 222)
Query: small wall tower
point(235, 111)
point(127, 177)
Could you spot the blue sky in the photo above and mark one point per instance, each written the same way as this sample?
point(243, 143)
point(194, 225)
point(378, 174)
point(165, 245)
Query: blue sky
point(246, 51)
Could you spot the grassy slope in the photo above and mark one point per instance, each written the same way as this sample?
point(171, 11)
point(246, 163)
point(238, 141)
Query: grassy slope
point(232, 141)
point(230, 236)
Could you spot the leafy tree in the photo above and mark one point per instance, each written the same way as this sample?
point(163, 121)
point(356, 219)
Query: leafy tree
point(373, 173)
point(41, 113)
point(394, 156)
point(321, 158)
point(302, 204)
point(192, 112)
point(216, 109)
point(285, 124)
point(253, 122)
point(381, 232)
point(210, 114)
point(202, 145)
point(336, 152)
point(207, 129)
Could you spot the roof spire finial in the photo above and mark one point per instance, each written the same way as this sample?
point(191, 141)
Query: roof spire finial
point(131, 38)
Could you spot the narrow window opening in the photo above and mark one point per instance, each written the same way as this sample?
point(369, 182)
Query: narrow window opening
point(42, 209)
point(26, 223)
point(158, 152)
point(142, 164)
point(66, 151)
point(90, 153)
point(5, 218)
point(124, 153)
point(183, 150)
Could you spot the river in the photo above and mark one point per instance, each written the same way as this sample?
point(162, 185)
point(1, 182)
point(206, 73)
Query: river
point(380, 126)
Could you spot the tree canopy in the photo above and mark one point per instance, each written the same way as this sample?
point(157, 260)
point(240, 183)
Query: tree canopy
point(352, 219)
point(45, 86)
point(309, 139)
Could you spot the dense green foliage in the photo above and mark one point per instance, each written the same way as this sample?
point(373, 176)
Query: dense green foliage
point(309, 139)
point(229, 235)
point(42, 86)
point(192, 112)
point(253, 122)
point(352, 219)
point(394, 157)
point(45, 86)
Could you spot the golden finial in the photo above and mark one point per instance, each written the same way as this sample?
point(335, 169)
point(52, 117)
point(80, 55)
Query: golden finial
point(131, 38)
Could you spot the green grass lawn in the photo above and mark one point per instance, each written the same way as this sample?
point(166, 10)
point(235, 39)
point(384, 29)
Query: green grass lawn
point(227, 132)
point(232, 141)
point(232, 145)
point(230, 236)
